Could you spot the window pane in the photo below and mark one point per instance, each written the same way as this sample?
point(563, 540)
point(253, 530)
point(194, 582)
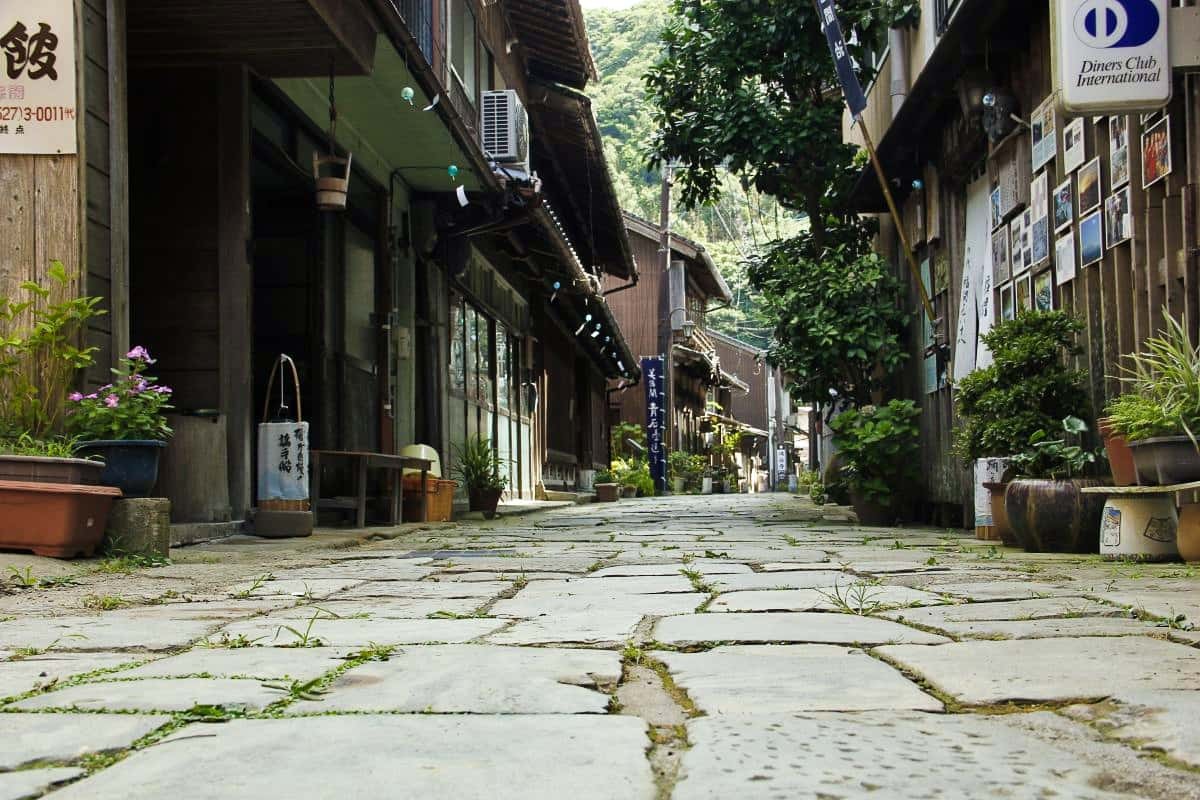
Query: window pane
point(502, 368)
point(472, 355)
point(487, 396)
point(359, 336)
point(458, 376)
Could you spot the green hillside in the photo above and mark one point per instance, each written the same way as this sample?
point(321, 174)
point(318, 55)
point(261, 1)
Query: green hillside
point(625, 43)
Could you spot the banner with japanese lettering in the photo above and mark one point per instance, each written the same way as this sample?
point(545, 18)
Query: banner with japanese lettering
point(852, 89)
point(656, 419)
point(283, 461)
point(38, 98)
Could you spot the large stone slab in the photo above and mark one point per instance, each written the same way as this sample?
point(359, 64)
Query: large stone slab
point(1171, 605)
point(419, 756)
point(814, 627)
point(870, 598)
point(32, 782)
point(383, 608)
point(1043, 628)
point(703, 566)
point(759, 679)
point(646, 584)
point(295, 587)
point(30, 738)
point(574, 563)
point(270, 632)
point(1007, 590)
point(19, 677)
point(1041, 608)
point(1166, 721)
point(114, 630)
point(875, 755)
point(1041, 670)
point(430, 589)
point(599, 628)
point(372, 569)
point(805, 579)
point(477, 679)
point(262, 663)
point(529, 606)
point(157, 694)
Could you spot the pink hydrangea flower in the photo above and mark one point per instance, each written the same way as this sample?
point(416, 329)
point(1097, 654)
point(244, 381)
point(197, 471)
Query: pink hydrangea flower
point(111, 401)
point(75, 397)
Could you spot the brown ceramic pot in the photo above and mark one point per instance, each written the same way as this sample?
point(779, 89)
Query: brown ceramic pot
point(59, 520)
point(1120, 456)
point(1167, 460)
point(870, 513)
point(1000, 514)
point(607, 492)
point(1187, 535)
point(485, 500)
point(1049, 516)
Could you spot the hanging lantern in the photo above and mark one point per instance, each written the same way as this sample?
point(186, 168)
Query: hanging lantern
point(407, 94)
point(452, 171)
point(331, 172)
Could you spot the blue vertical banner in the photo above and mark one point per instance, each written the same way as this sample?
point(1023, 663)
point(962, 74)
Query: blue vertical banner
point(654, 379)
point(847, 77)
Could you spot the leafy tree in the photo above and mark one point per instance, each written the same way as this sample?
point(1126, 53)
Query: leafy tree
point(838, 324)
point(750, 85)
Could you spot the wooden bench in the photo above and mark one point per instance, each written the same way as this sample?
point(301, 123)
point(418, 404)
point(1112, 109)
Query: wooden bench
point(361, 462)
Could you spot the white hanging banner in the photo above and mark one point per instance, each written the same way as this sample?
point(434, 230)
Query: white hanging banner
point(38, 103)
point(979, 257)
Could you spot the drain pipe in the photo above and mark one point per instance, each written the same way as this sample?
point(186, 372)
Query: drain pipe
point(898, 45)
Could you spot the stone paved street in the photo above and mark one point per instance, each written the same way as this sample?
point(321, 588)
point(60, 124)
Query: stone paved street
point(719, 647)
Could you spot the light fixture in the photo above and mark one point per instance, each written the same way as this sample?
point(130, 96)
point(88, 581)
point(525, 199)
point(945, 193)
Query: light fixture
point(973, 87)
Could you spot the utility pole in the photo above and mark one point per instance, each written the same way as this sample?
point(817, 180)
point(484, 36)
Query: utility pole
point(667, 335)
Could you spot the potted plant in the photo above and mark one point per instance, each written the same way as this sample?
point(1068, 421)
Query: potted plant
point(124, 423)
point(478, 467)
point(49, 501)
point(680, 464)
point(1159, 415)
point(607, 490)
point(1047, 510)
point(880, 448)
point(1026, 390)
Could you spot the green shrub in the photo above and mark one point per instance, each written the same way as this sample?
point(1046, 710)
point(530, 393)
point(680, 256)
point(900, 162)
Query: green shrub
point(634, 472)
point(1028, 388)
point(881, 448)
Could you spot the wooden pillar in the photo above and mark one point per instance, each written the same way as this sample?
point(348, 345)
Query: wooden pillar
point(118, 133)
point(234, 279)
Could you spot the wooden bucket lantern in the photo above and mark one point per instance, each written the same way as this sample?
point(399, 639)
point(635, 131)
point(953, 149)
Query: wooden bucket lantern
point(283, 479)
point(332, 176)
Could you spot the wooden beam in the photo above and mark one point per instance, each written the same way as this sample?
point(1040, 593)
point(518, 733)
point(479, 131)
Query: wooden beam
point(234, 276)
point(352, 26)
point(118, 144)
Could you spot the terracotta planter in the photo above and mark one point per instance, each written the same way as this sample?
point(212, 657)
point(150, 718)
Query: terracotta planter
point(35, 469)
point(1187, 536)
point(1120, 456)
point(59, 520)
point(131, 465)
point(871, 513)
point(1000, 514)
point(1166, 460)
point(607, 493)
point(1050, 516)
point(628, 491)
point(485, 500)
point(678, 485)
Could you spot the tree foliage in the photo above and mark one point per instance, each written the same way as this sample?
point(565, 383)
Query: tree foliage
point(839, 327)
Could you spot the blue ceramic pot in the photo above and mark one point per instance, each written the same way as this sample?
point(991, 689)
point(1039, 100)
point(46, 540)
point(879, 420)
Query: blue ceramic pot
point(130, 465)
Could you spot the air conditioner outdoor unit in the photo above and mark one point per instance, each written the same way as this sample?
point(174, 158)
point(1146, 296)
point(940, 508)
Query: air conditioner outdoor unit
point(505, 126)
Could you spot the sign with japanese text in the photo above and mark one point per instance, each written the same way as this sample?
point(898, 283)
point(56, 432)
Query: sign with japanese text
point(654, 379)
point(283, 461)
point(856, 101)
point(1111, 56)
point(38, 99)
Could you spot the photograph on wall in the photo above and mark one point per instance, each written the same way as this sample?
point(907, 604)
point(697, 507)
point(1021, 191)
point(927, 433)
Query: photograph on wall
point(1118, 222)
point(1118, 152)
point(997, 214)
point(1064, 258)
point(1014, 229)
point(1007, 309)
point(1043, 292)
point(1001, 268)
point(1024, 300)
point(1074, 149)
point(1064, 208)
point(1045, 137)
point(1039, 235)
point(1087, 187)
point(1156, 152)
point(1091, 239)
point(1026, 239)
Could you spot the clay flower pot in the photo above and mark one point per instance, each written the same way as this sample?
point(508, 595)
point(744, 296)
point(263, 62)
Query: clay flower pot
point(1187, 535)
point(870, 513)
point(1051, 516)
point(1000, 513)
point(1120, 456)
point(607, 493)
point(59, 520)
point(37, 469)
point(485, 500)
point(1166, 460)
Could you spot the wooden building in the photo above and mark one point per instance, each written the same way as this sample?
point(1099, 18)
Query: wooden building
point(441, 303)
point(926, 114)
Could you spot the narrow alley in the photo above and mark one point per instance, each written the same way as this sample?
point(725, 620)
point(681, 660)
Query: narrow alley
point(741, 646)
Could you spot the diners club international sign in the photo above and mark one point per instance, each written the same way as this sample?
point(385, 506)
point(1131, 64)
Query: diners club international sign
point(38, 101)
point(1111, 56)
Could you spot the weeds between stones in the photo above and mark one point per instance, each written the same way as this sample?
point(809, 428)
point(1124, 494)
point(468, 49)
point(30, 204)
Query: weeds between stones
point(305, 638)
point(29, 652)
point(255, 586)
point(105, 602)
point(857, 599)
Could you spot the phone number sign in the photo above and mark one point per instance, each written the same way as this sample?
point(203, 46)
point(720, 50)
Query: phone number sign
point(38, 98)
